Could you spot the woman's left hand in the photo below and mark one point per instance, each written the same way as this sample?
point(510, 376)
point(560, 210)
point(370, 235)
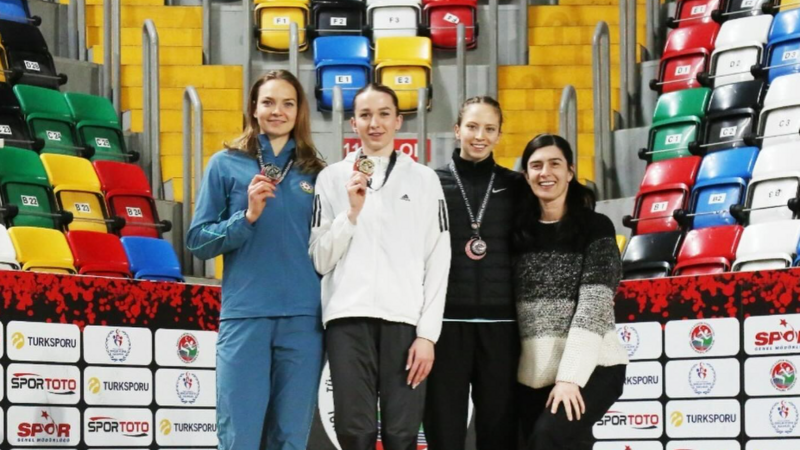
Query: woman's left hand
point(570, 395)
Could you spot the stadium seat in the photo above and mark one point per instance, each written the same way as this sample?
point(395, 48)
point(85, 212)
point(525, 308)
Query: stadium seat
point(739, 45)
point(404, 64)
point(708, 250)
point(49, 118)
point(128, 196)
point(13, 130)
point(393, 18)
point(783, 49)
point(42, 250)
point(666, 187)
point(338, 18)
point(650, 255)
point(732, 114)
point(780, 116)
point(776, 177)
point(98, 254)
point(344, 61)
point(686, 54)
point(98, 126)
point(721, 182)
point(689, 13)
point(17, 11)
point(272, 19)
point(676, 124)
point(442, 18)
point(24, 56)
point(8, 256)
point(734, 9)
point(25, 190)
point(77, 190)
point(768, 246)
point(152, 259)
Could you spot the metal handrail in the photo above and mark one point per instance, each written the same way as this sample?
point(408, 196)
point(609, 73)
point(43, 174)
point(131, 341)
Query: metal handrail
point(247, 7)
point(627, 60)
point(461, 65)
point(422, 126)
point(568, 119)
point(116, 54)
point(152, 103)
point(81, 7)
point(337, 123)
point(522, 31)
point(192, 131)
point(72, 30)
point(601, 74)
point(107, 39)
point(294, 49)
point(206, 31)
point(494, 50)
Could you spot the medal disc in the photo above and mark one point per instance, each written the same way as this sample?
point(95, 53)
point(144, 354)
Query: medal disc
point(365, 166)
point(272, 172)
point(476, 248)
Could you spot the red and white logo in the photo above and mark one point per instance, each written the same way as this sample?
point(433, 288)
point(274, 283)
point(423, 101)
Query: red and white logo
point(631, 420)
point(772, 334)
point(43, 426)
point(39, 383)
point(118, 427)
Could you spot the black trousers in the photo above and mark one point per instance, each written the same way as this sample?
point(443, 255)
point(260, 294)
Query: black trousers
point(485, 356)
point(368, 363)
point(543, 430)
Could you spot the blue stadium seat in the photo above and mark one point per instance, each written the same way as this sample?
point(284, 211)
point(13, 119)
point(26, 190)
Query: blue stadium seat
point(721, 182)
point(732, 115)
point(783, 48)
point(152, 259)
point(344, 61)
point(17, 11)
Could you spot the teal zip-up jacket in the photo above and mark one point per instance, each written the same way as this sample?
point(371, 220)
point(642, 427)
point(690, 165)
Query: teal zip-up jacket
point(267, 270)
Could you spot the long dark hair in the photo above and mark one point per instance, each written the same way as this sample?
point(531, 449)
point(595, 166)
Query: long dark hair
point(580, 202)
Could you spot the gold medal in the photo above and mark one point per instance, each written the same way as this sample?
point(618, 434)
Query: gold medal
point(365, 166)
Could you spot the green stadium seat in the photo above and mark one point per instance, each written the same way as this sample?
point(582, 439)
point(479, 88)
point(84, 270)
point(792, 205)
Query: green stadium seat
point(98, 127)
point(27, 199)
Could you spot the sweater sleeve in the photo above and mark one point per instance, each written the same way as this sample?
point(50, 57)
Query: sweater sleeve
point(215, 230)
point(594, 313)
point(330, 234)
point(437, 262)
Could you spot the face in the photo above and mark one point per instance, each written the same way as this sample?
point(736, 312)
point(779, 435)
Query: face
point(548, 174)
point(276, 108)
point(478, 132)
point(376, 120)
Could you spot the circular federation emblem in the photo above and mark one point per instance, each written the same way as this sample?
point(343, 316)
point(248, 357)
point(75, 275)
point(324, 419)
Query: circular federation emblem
point(629, 338)
point(783, 375)
point(701, 337)
point(702, 378)
point(118, 345)
point(783, 417)
point(187, 387)
point(187, 348)
point(306, 187)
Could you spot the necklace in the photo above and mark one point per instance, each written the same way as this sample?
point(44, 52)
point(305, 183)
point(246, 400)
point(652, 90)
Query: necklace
point(476, 247)
point(366, 166)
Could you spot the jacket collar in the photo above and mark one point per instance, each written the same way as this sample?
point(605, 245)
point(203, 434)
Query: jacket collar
point(269, 155)
point(469, 168)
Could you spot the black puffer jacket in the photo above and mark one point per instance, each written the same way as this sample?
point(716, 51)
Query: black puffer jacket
point(481, 289)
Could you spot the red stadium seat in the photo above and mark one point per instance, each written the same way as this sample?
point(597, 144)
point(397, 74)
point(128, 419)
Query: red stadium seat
point(692, 12)
point(98, 254)
point(442, 18)
point(686, 54)
point(708, 250)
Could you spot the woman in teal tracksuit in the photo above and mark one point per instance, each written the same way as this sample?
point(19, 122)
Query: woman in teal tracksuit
point(255, 209)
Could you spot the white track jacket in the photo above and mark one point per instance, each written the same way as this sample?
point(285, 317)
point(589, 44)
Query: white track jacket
point(393, 263)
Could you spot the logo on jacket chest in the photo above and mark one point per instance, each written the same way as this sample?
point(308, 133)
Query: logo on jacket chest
point(306, 187)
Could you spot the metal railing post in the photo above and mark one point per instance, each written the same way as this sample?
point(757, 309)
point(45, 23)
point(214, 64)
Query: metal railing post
point(568, 119)
point(247, 8)
point(294, 49)
point(207, 31)
point(116, 55)
point(72, 30)
point(493, 46)
point(422, 126)
point(649, 27)
point(107, 39)
point(81, 6)
point(601, 74)
point(152, 104)
point(192, 132)
point(522, 32)
point(337, 123)
point(461, 65)
point(624, 44)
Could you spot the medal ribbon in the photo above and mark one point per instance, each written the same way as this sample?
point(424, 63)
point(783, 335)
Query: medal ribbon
point(392, 162)
point(264, 165)
point(476, 223)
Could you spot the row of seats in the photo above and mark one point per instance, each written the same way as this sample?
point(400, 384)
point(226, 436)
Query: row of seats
point(436, 19)
point(25, 58)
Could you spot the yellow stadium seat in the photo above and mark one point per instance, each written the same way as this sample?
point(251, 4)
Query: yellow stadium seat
point(404, 64)
point(272, 18)
point(77, 190)
point(42, 250)
point(621, 241)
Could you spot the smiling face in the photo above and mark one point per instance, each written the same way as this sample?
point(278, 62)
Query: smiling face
point(276, 108)
point(549, 174)
point(478, 132)
point(376, 121)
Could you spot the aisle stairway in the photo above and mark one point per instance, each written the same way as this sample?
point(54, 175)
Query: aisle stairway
point(181, 56)
point(560, 53)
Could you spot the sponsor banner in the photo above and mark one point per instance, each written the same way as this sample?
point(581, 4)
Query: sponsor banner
point(702, 378)
point(43, 426)
point(766, 444)
point(117, 345)
point(47, 384)
point(703, 445)
point(181, 348)
point(628, 445)
point(118, 386)
point(643, 380)
point(702, 338)
point(117, 427)
point(188, 427)
point(642, 340)
point(776, 375)
point(703, 418)
point(186, 388)
point(772, 335)
point(43, 342)
point(772, 417)
point(631, 420)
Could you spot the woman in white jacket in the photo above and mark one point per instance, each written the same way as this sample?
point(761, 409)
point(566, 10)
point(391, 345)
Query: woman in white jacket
point(380, 239)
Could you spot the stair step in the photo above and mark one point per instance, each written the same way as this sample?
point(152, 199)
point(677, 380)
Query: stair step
point(167, 37)
point(172, 143)
point(530, 77)
point(172, 167)
point(641, 3)
point(172, 98)
point(547, 99)
point(520, 121)
point(127, 2)
point(212, 77)
point(565, 55)
point(163, 16)
point(560, 16)
point(167, 56)
point(576, 35)
point(172, 121)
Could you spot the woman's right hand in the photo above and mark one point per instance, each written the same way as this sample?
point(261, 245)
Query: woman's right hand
point(257, 193)
point(357, 194)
